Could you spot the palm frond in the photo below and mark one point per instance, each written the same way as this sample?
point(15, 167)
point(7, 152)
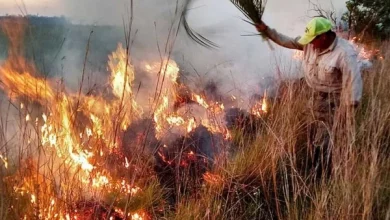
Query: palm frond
point(197, 37)
point(252, 9)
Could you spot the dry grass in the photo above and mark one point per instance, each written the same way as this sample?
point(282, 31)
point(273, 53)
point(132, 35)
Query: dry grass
point(263, 177)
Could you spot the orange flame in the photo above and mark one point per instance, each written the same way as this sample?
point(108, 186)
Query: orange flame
point(260, 107)
point(122, 78)
point(191, 125)
point(201, 101)
point(213, 179)
point(363, 52)
point(175, 120)
point(167, 66)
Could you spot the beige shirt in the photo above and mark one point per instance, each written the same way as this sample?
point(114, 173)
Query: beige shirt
point(334, 70)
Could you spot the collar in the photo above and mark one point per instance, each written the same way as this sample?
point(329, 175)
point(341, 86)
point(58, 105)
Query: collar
point(331, 47)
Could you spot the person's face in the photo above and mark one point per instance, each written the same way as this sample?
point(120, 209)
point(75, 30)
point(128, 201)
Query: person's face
point(319, 42)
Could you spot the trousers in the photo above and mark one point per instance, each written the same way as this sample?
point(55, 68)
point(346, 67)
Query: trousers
point(322, 110)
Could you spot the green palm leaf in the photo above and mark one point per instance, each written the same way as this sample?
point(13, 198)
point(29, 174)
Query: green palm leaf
point(253, 10)
point(197, 37)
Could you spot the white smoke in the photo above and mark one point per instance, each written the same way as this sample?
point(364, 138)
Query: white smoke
point(239, 65)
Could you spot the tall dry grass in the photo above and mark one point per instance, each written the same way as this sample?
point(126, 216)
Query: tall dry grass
point(266, 177)
point(263, 177)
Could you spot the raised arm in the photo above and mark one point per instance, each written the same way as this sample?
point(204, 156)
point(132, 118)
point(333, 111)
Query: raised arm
point(278, 38)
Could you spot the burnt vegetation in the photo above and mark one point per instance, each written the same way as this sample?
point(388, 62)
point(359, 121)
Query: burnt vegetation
point(244, 163)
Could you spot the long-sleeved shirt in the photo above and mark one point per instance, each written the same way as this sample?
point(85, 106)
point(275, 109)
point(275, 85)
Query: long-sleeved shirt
point(335, 69)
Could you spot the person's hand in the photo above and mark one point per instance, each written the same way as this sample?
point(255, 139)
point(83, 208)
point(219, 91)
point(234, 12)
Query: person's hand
point(261, 27)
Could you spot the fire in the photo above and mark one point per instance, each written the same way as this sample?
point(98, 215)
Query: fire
point(28, 118)
point(97, 126)
point(363, 52)
point(58, 126)
point(162, 156)
point(137, 216)
point(260, 107)
point(100, 181)
point(122, 78)
point(175, 120)
point(213, 179)
point(191, 125)
point(160, 115)
point(215, 127)
point(167, 67)
point(33, 198)
point(24, 84)
point(82, 160)
point(77, 134)
point(201, 101)
point(214, 107)
point(264, 105)
point(5, 161)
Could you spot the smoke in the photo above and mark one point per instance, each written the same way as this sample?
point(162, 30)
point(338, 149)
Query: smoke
point(241, 65)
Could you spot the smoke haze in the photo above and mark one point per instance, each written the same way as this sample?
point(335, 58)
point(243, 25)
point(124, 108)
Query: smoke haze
point(241, 66)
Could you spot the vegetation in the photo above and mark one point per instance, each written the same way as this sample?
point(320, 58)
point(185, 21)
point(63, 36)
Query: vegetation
point(261, 174)
point(369, 17)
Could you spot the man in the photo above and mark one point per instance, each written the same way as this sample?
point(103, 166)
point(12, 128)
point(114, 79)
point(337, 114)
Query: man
point(331, 69)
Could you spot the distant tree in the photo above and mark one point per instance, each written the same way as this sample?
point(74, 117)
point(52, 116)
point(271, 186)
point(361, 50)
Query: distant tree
point(369, 17)
point(319, 11)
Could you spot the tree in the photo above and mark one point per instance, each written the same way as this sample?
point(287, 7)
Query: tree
point(369, 17)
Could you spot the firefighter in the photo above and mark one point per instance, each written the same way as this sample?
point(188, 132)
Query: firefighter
point(332, 71)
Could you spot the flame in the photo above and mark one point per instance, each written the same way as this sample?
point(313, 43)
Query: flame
point(122, 78)
point(166, 66)
point(213, 179)
point(215, 127)
point(191, 125)
point(201, 101)
point(28, 118)
point(260, 107)
point(5, 161)
point(264, 105)
point(122, 73)
point(100, 181)
point(137, 216)
point(79, 132)
point(33, 199)
point(160, 115)
point(175, 120)
point(162, 156)
point(19, 84)
point(57, 126)
point(363, 52)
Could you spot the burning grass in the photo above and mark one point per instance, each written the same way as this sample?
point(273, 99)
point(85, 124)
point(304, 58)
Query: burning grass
point(71, 155)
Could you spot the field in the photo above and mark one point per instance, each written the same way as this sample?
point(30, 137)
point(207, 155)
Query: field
point(99, 151)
